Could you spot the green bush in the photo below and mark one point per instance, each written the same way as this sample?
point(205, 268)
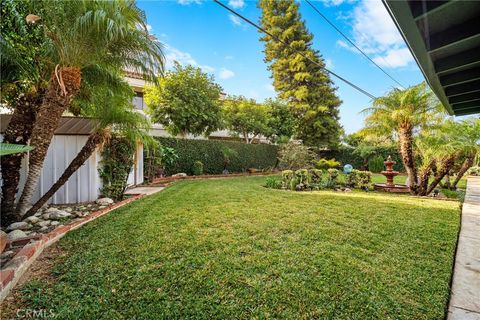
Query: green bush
point(116, 164)
point(474, 171)
point(273, 183)
point(295, 156)
point(376, 164)
point(197, 168)
point(359, 179)
point(212, 154)
point(324, 164)
point(347, 155)
point(315, 176)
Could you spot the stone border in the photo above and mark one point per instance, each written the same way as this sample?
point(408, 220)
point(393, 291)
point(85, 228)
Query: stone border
point(33, 246)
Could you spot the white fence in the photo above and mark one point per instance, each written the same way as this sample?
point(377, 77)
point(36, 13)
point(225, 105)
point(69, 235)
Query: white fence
point(84, 185)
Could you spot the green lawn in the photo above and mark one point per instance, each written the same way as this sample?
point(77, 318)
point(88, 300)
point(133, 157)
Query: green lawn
point(378, 178)
point(219, 249)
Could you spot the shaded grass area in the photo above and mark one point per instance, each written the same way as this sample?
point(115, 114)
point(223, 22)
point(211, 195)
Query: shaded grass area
point(217, 249)
point(378, 178)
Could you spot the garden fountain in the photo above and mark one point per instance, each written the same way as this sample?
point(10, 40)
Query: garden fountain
point(390, 186)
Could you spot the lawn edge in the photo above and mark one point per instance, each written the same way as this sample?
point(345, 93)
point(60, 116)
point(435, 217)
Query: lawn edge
point(32, 247)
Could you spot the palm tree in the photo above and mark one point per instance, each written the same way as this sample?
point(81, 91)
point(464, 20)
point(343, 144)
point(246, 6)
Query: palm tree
point(462, 139)
point(86, 38)
point(110, 113)
point(402, 113)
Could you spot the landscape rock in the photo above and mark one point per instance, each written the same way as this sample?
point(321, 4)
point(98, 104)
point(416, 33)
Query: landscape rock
point(3, 240)
point(16, 234)
point(104, 201)
point(44, 229)
point(32, 219)
point(6, 254)
point(180, 174)
point(67, 209)
point(51, 209)
point(45, 216)
point(59, 214)
point(44, 223)
point(19, 226)
point(38, 213)
point(54, 223)
point(347, 190)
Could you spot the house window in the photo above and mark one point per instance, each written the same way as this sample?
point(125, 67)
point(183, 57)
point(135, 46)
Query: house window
point(138, 100)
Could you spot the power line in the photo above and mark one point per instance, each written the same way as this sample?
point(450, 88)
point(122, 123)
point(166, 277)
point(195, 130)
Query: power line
point(300, 53)
point(352, 43)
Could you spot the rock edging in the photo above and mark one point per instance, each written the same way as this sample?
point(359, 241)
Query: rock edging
point(33, 246)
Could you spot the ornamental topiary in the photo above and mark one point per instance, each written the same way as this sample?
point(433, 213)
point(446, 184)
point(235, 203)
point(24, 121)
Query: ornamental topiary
point(197, 168)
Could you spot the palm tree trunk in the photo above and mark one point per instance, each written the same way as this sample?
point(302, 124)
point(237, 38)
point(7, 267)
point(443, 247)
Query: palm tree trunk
point(57, 98)
point(447, 165)
point(406, 152)
point(18, 131)
point(94, 140)
point(423, 178)
point(467, 164)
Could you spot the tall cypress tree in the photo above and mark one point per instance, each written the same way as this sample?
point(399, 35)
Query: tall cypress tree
point(305, 85)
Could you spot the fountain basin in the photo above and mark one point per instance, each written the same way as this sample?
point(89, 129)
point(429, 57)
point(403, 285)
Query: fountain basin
point(397, 188)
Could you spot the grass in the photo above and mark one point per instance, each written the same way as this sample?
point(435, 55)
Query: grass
point(379, 178)
point(230, 248)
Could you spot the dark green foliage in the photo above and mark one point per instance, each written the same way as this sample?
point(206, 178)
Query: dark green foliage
point(117, 162)
point(211, 154)
point(301, 81)
point(346, 155)
point(324, 164)
point(197, 168)
point(375, 164)
point(359, 179)
point(156, 157)
point(273, 183)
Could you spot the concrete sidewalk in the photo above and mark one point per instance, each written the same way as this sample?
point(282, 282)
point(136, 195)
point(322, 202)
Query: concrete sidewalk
point(465, 295)
point(144, 190)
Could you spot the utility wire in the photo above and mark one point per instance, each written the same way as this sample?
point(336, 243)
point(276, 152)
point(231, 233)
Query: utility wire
point(352, 43)
point(300, 53)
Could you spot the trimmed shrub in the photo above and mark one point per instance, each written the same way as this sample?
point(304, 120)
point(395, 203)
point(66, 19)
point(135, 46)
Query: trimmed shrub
point(211, 154)
point(359, 179)
point(474, 171)
point(376, 164)
point(315, 176)
point(324, 164)
point(197, 168)
point(116, 164)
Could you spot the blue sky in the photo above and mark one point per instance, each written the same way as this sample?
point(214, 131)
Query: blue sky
point(201, 33)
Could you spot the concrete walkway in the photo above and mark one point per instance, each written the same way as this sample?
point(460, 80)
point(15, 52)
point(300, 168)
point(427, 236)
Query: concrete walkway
point(144, 190)
point(465, 296)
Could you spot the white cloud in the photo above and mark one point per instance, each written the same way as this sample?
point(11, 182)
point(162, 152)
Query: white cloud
point(334, 3)
point(394, 58)
point(226, 74)
point(187, 2)
point(376, 34)
point(236, 4)
point(329, 63)
point(235, 20)
point(184, 58)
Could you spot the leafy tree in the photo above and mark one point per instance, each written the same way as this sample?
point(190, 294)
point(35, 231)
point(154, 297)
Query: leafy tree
point(86, 42)
point(246, 117)
point(295, 156)
point(304, 84)
point(280, 121)
point(187, 101)
point(111, 113)
point(403, 113)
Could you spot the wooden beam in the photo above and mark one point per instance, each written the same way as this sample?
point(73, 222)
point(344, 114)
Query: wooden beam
point(460, 77)
point(464, 98)
point(453, 36)
point(463, 88)
point(468, 111)
point(422, 8)
point(458, 60)
point(466, 105)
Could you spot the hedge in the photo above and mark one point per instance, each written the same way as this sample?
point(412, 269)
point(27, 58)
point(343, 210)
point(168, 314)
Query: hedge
point(345, 155)
point(209, 152)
